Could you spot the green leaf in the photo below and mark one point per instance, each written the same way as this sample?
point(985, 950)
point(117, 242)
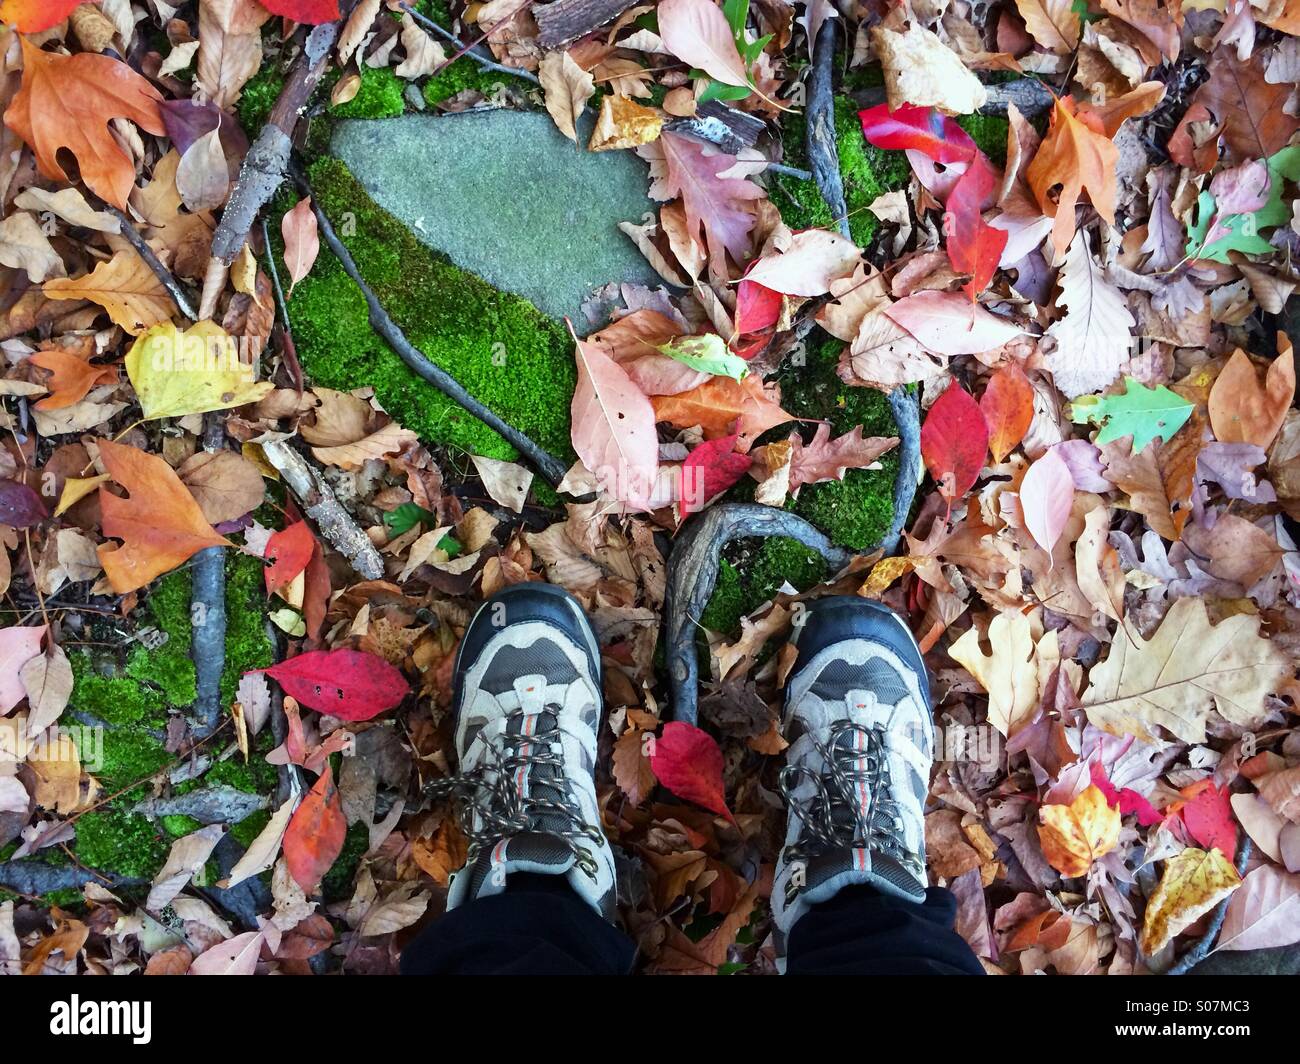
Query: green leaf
point(707, 353)
point(450, 545)
point(737, 12)
point(1141, 412)
point(406, 517)
point(1243, 230)
point(715, 90)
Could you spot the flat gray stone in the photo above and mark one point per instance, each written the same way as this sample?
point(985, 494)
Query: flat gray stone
point(505, 195)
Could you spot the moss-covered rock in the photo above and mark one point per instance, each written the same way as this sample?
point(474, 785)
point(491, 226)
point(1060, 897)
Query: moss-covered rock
point(868, 172)
point(457, 319)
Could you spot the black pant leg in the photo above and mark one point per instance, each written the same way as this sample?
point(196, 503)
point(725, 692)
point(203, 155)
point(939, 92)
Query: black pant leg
point(539, 926)
point(863, 932)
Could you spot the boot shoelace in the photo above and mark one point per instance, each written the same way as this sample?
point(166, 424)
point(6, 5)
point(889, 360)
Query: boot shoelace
point(833, 818)
point(490, 795)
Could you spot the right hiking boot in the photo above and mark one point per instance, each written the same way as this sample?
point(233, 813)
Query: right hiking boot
point(861, 734)
point(528, 705)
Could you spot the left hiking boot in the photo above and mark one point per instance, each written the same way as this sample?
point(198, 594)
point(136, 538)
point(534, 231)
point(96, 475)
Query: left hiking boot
point(528, 707)
point(861, 735)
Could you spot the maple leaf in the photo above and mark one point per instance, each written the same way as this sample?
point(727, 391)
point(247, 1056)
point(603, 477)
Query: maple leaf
point(683, 167)
point(1185, 672)
point(124, 286)
point(1194, 882)
point(1073, 836)
point(1248, 114)
point(1092, 340)
point(160, 524)
point(1077, 155)
point(722, 405)
point(71, 376)
point(67, 102)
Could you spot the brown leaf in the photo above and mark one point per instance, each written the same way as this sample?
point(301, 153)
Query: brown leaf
point(1244, 409)
point(124, 286)
point(224, 484)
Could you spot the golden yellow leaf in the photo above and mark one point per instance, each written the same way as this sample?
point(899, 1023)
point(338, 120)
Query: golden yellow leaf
point(623, 123)
point(124, 286)
point(75, 489)
point(177, 373)
point(1075, 835)
point(1194, 883)
point(1012, 672)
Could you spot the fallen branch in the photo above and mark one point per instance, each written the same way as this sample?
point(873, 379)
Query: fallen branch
point(267, 160)
point(566, 20)
point(208, 610)
point(34, 878)
point(323, 507)
point(546, 463)
point(165, 277)
point(819, 140)
point(693, 571)
point(1031, 97)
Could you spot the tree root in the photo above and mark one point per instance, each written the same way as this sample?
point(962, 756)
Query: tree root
point(546, 463)
point(820, 139)
point(208, 612)
point(36, 877)
point(693, 571)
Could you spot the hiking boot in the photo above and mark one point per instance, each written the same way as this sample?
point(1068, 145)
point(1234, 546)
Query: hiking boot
point(858, 719)
point(528, 707)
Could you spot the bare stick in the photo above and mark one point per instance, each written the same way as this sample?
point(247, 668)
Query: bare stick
point(474, 51)
point(324, 508)
point(164, 275)
point(208, 609)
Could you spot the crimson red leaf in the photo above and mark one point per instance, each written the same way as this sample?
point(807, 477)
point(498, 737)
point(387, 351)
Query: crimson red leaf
point(1128, 800)
point(757, 307)
point(1210, 822)
point(710, 469)
point(348, 684)
point(287, 554)
point(954, 441)
point(312, 12)
point(688, 762)
point(974, 246)
point(20, 506)
point(921, 129)
point(314, 838)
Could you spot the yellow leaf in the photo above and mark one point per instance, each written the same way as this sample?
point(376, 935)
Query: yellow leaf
point(1012, 673)
point(1194, 883)
point(75, 489)
point(177, 373)
point(622, 123)
point(124, 286)
point(1075, 835)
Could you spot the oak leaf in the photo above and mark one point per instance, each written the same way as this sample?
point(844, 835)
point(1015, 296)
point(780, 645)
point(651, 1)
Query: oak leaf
point(160, 524)
point(66, 103)
point(1187, 671)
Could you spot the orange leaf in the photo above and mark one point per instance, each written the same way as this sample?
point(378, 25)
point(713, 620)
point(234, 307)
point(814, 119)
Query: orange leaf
point(36, 16)
point(1008, 407)
point(71, 377)
point(1075, 835)
point(1078, 156)
point(314, 838)
point(66, 103)
point(718, 403)
point(160, 525)
point(1244, 409)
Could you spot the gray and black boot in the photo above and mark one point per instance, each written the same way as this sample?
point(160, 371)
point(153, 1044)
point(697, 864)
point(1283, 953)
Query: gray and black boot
point(861, 735)
point(528, 706)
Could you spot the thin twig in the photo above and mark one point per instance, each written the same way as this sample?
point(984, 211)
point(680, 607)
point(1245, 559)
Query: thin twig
point(546, 463)
point(474, 52)
point(179, 296)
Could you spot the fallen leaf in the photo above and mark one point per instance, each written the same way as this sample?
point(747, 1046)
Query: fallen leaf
point(348, 684)
point(1264, 913)
point(1246, 409)
point(1046, 499)
point(47, 679)
point(1093, 339)
point(124, 286)
point(688, 762)
point(697, 33)
point(566, 88)
point(614, 428)
point(1073, 836)
point(954, 442)
point(1011, 672)
point(1077, 156)
point(1193, 883)
point(314, 838)
point(18, 646)
point(950, 324)
point(301, 240)
point(176, 373)
point(1008, 408)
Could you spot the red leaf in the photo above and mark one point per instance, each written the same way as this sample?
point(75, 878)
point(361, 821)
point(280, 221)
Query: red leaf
point(1209, 820)
point(1129, 801)
point(920, 129)
point(287, 554)
point(757, 307)
point(1008, 407)
point(710, 469)
point(348, 684)
point(688, 762)
point(312, 12)
point(974, 246)
point(314, 838)
point(954, 441)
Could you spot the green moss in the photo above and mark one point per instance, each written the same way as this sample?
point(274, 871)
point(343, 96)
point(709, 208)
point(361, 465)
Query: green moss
point(337, 883)
point(256, 777)
point(250, 827)
point(178, 824)
point(461, 75)
point(131, 754)
point(868, 172)
point(989, 132)
point(382, 95)
point(168, 666)
point(727, 603)
point(768, 565)
point(120, 842)
point(113, 699)
point(259, 96)
point(455, 317)
point(247, 644)
point(68, 898)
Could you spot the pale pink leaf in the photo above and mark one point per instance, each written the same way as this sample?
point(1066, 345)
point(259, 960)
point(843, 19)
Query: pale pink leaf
point(235, 956)
point(301, 241)
point(815, 258)
point(948, 323)
point(696, 32)
point(17, 647)
point(614, 428)
point(1265, 912)
point(1046, 496)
